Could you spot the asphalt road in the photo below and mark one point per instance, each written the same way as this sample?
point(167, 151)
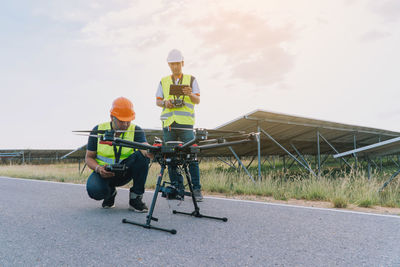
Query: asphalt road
point(56, 224)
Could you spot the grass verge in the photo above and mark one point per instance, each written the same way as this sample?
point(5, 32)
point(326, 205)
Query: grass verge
point(341, 191)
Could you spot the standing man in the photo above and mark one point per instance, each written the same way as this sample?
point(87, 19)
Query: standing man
point(102, 183)
point(179, 116)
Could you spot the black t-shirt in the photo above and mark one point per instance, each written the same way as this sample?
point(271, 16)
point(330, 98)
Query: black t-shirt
point(140, 137)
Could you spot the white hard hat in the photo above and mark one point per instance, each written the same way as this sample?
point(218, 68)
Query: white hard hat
point(174, 56)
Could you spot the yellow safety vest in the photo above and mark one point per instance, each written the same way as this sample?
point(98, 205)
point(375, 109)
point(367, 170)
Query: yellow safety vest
point(181, 115)
point(105, 153)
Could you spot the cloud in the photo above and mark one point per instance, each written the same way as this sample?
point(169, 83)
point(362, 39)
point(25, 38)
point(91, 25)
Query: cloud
point(128, 27)
point(373, 35)
point(252, 50)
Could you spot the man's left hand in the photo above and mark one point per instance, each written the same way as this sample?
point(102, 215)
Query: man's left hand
point(187, 90)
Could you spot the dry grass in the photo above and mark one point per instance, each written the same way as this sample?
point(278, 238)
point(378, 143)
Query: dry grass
point(341, 191)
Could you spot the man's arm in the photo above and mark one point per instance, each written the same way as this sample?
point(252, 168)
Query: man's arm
point(193, 91)
point(160, 98)
point(91, 162)
point(195, 98)
point(146, 153)
point(140, 137)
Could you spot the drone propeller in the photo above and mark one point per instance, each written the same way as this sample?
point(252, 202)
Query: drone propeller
point(90, 135)
point(95, 131)
point(211, 131)
point(116, 131)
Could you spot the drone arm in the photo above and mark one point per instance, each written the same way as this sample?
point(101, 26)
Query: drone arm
point(191, 142)
point(137, 145)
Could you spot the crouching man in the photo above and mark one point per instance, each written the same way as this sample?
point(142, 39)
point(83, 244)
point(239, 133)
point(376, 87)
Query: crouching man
point(102, 183)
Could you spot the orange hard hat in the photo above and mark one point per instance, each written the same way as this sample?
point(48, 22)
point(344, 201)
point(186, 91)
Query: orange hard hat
point(122, 109)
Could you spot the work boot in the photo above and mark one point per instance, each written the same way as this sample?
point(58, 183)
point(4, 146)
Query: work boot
point(197, 195)
point(136, 204)
point(108, 203)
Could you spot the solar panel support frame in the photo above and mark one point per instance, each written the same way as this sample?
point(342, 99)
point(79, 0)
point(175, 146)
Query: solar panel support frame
point(334, 149)
point(284, 149)
point(259, 152)
point(318, 155)
point(241, 164)
point(301, 156)
point(355, 154)
point(389, 180)
point(227, 163)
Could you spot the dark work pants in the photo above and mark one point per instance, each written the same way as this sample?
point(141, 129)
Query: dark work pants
point(138, 166)
point(175, 177)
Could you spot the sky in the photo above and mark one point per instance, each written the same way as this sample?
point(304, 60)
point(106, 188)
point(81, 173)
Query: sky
point(62, 63)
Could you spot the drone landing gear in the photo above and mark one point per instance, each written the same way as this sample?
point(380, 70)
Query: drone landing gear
point(196, 213)
point(153, 204)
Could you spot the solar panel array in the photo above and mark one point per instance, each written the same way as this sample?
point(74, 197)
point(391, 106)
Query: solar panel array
point(302, 133)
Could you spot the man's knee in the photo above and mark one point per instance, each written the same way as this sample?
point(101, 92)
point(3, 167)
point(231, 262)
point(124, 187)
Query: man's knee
point(96, 193)
point(95, 188)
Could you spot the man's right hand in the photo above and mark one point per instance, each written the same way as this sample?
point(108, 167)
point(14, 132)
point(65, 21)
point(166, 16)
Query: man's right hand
point(104, 173)
point(168, 104)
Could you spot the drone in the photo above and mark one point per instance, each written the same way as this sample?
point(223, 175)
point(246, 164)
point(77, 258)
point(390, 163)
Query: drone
point(175, 154)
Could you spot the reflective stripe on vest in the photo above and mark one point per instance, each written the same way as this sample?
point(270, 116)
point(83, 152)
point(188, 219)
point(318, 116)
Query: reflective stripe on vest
point(182, 115)
point(105, 153)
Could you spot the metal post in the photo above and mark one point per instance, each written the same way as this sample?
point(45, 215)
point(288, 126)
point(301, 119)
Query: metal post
point(273, 160)
point(380, 157)
point(369, 168)
point(284, 162)
point(355, 147)
point(318, 155)
point(259, 151)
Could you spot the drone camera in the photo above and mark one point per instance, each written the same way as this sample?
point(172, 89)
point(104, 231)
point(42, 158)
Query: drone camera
point(171, 192)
